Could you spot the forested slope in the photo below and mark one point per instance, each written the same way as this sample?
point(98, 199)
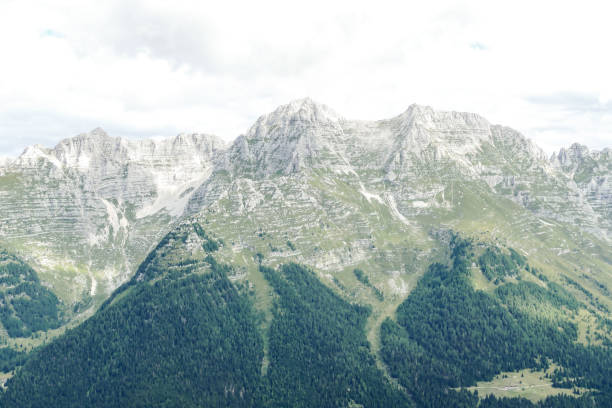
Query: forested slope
point(319, 354)
point(181, 333)
point(26, 306)
point(450, 335)
point(186, 338)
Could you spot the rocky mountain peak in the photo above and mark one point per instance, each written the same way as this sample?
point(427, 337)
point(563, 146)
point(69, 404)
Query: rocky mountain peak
point(303, 110)
point(32, 157)
point(97, 149)
point(97, 146)
point(95, 137)
point(287, 138)
point(423, 127)
point(98, 132)
point(427, 117)
point(423, 134)
point(188, 145)
point(571, 156)
point(114, 197)
point(34, 151)
point(298, 115)
point(202, 142)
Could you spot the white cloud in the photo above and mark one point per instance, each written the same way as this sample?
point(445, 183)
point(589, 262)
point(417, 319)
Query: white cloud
point(155, 68)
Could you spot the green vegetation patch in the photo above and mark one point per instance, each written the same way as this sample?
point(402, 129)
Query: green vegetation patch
point(25, 305)
point(11, 359)
point(362, 277)
point(187, 342)
point(319, 354)
point(529, 384)
point(209, 244)
point(449, 335)
point(496, 264)
point(535, 300)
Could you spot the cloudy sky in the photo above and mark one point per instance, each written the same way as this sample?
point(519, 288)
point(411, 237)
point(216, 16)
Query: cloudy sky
point(158, 68)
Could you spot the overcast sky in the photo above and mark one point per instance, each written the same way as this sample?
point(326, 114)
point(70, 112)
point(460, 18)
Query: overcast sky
point(158, 68)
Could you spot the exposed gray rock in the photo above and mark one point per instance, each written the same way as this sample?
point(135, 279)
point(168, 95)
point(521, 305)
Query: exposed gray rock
point(95, 204)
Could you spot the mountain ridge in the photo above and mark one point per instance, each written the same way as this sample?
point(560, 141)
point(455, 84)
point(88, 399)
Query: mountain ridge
point(307, 106)
point(412, 164)
point(378, 212)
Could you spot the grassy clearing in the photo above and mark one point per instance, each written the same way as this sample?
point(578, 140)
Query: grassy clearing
point(3, 378)
point(532, 385)
point(39, 338)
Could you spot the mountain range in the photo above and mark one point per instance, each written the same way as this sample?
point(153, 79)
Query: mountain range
point(306, 188)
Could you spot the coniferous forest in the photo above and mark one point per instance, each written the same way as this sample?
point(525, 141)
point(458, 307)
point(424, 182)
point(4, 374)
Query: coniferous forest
point(26, 306)
point(180, 334)
point(449, 335)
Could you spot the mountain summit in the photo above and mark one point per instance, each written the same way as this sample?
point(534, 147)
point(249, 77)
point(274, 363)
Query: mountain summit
point(292, 137)
point(97, 202)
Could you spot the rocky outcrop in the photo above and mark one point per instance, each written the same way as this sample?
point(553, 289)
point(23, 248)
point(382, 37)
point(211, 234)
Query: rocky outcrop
point(295, 136)
point(94, 203)
point(589, 178)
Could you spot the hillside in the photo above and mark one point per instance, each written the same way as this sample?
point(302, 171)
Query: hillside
point(180, 333)
point(86, 212)
point(26, 306)
point(501, 254)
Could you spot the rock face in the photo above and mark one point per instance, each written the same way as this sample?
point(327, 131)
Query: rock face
point(343, 192)
point(89, 209)
point(293, 137)
point(589, 175)
point(372, 194)
point(419, 160)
